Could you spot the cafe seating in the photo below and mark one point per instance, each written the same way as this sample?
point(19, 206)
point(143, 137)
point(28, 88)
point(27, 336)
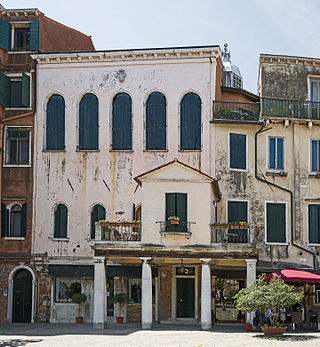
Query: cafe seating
point(313, 320)
point(296, 320)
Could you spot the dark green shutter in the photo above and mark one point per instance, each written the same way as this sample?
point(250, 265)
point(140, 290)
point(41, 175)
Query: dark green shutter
point(60, 222)
point(4, 90)
point(98, 213)
point(170, 205)
point(280, 165)
point(276, 223)
point(272, 153)
point(25, 90)
point(5, 35)
point(34, 36)
point(238, 149)
point(314, 219)
point(237, 211)
point(190, 122)
point(24, 219)
point(181, 206)
point(4, 220)
point(55, 127)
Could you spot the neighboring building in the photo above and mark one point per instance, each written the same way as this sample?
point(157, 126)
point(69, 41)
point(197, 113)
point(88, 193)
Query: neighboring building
point(133, 113)
point(24, 289)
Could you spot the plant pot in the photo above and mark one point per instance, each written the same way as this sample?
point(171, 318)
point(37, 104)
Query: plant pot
point(119, 320)
point(174, 221)
point(243, 227)
point(273, 331)
point(79, 320)
point(248, 327)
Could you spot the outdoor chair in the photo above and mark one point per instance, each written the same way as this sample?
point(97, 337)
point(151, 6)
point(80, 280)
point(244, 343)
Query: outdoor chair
point(296, 320)
point(313, 320)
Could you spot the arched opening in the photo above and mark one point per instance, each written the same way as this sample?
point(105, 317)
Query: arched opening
point(22, 297)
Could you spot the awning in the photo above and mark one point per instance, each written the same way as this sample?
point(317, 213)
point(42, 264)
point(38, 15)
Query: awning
point(295, 276)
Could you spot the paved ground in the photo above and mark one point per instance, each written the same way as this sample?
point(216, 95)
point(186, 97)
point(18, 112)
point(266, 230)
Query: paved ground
point(72, 335)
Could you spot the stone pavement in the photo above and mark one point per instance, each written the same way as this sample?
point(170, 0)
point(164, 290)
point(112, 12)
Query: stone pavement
point(72, 335)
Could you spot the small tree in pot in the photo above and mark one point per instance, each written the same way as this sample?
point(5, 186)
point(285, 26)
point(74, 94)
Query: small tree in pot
point(119, 299)
point(79, 298)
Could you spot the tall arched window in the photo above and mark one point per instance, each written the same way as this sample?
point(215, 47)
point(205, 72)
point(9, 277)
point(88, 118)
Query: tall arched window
point(190, 122)
point(14, 220)
point(60, 222)
point(98, 212)
point(55, 135)
point(156, 122)
point(88, 122)
point(122, 122)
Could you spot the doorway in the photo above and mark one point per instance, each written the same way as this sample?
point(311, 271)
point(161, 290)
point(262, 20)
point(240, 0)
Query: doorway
point(22, 297)
point(185, 298)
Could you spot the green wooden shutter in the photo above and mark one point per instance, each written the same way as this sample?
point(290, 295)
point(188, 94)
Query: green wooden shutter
point(60, 222)
point(5, 35)
point(4, 90)
point(237, 211)
point(314, 214)
point(24, 219)
point(55, 127)
point(4, 220)
point(94, 219)
point(276, 223)
point(181, 206)
point(34, 36)
point(170, 205)
point(25, 90)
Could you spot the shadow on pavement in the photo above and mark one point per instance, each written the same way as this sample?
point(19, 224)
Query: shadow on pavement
point(290, 338)
point(16, 342)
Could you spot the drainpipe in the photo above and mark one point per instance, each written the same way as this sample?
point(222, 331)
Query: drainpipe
point(279, 187)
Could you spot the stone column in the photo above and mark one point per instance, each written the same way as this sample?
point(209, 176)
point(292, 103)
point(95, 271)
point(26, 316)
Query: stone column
point(146, 302)
point(251, 277)
point(206, 303)
point(100, 294)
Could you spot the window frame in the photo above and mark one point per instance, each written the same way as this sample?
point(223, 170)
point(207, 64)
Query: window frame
point(276, 170)
point(17, 127)
point(18, 77)
point(9, 208)
point(229, 152)
point(286, 243)
point(52, 238)
point(89, 238)
point(70, 278)
point(308, 225)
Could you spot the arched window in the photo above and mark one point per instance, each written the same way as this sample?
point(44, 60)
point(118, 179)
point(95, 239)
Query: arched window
point(98, 212)
point(60, 222)
point(156, 122)
point(14, 220)
point(55, 135)
point(88, 122)
point(122, 122)
point(190, 122)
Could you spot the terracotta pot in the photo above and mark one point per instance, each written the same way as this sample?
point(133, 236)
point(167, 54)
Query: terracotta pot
point(248, 327)
point(79, 320)
point(119, 320)
point(174, 221)
point(273, 331)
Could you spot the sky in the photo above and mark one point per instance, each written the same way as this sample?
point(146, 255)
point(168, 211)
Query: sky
point(250, 27)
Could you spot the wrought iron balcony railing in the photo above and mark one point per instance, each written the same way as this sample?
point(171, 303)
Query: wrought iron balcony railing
point(119, 231)
point(228, 234)
point(182, 227)
point(290, 108)
point(241, 111)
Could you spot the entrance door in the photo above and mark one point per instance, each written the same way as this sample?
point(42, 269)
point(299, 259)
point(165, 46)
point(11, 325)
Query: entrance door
point(22, 297)
point(185, 297)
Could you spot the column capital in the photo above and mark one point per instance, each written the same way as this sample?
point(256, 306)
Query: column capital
point(251, 261)
point(99, 259)
point(205, 260)
point(145, 259)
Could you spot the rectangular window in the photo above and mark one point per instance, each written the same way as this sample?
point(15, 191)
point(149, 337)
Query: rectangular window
point(135, 290)
point(276, 222)
point(238, 212)
point(65, 288)
point(276, 153)
point(315, 90)
point(238, 151)
point(21, 38)
point(314, 223)
point(315, 155)
point(176, 206)
point(17, 146)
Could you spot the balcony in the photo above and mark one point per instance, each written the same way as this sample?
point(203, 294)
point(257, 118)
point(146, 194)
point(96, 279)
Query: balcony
point(230, 233)
point(236, 111)
point(119, 231)
point(290, 108)
point(182, 228)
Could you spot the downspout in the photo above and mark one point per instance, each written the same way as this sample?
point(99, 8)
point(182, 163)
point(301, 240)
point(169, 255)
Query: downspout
point(279, 187)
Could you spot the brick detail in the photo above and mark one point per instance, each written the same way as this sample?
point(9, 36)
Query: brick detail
point(165, 292)
point(133, 313)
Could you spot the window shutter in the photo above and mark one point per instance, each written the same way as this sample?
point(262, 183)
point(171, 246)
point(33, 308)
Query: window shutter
point(276, 223)
point(170, 205)
point(4, 220)
point(5, 35)
point(4, 90)
point(60, 222)
point(94, 219)
point(34, 36)
point(242, 148)
point(272, 153)
point(280, 165)
point(25, 90)
point(238, 149)
point(314, 212)
point(55, 131)
point(181, 206)
point(314, 156)
point(24, 219)
point(133, 211)
point(237, 211)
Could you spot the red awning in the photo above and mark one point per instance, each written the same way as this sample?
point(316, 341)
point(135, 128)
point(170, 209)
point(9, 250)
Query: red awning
point(295, 276)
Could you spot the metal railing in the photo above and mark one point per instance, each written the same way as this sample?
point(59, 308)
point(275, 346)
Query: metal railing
point(230, 235)
point(182, 227)
point(243, 111)
point(290, 108)
point(118, 231)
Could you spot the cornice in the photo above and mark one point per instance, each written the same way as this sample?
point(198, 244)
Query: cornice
point(288, 60)
point(128, 55)
point(19, 12)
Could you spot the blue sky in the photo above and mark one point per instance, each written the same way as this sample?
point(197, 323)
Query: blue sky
point(250, 27)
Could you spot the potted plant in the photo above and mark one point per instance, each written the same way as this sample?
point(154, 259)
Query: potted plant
point(79, 298)
point(248, 326)
point(119, 299)
point(174, 220)
point(268, 298)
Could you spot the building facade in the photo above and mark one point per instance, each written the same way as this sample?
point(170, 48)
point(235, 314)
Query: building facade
point(23, 31)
